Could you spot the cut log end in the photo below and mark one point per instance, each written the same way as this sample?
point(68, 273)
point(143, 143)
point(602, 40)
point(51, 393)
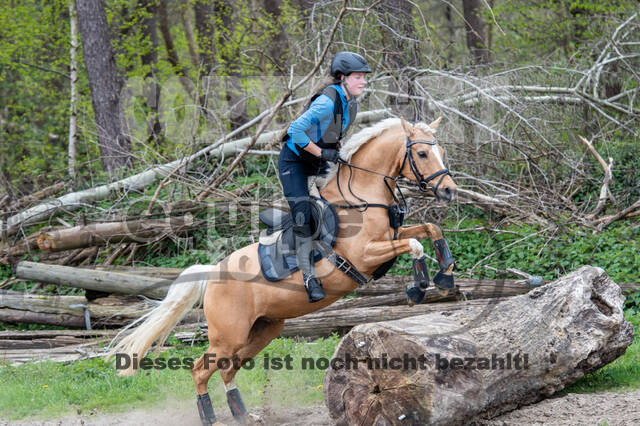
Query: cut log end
point(46, 242)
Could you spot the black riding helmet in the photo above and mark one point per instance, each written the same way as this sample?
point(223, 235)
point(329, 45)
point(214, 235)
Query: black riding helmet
point(344, 63)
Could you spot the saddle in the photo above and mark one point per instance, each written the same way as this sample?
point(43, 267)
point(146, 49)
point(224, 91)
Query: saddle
point(276, 247)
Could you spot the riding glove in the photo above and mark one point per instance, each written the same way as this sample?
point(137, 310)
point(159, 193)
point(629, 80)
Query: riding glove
point(330, 155)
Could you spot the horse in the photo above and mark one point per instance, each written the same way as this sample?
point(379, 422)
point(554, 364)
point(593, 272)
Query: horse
point(244, 311)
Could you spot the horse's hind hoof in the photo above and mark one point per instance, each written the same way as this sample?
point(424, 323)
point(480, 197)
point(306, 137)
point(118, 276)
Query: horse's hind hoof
point(444, 292)
point(255, 419)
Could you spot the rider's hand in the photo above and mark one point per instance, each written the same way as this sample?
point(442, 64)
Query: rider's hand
point(330, 155)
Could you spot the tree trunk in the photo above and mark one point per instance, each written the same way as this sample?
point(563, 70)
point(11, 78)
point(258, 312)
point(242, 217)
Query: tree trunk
point(397, 299)
point(150, 59)
point(451, 31)
point(113, 141)
point(478, 361)
point(47, 339)
point(474, 24)
point(73, 75)
point(36, 196)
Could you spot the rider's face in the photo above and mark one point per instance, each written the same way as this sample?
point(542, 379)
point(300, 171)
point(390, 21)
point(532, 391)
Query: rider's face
point(355, 83)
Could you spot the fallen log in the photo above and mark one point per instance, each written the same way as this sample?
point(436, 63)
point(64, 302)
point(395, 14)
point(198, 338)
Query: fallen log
point(21, 247)
point(475, 362)
point(368, 301)
point(47, 339)
point(104, 281)
point(324, 323)
point(69, 311)
point(16, 316)
point(99, 234)
point(465, 288)
point(75, 352)
point(148, 271)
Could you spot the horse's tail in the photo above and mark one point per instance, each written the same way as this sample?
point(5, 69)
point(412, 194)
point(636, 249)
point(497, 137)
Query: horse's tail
point(187, 290)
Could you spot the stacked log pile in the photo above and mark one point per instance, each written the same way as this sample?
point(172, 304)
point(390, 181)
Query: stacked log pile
point(117, 295)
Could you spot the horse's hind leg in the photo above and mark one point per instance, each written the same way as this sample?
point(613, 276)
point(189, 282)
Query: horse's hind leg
point(262, 332)
point(222, 347)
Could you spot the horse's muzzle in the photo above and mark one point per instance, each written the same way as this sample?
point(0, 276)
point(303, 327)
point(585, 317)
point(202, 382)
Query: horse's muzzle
point(446, 193)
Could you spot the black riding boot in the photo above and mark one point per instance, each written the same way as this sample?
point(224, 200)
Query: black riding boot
point(304, 248)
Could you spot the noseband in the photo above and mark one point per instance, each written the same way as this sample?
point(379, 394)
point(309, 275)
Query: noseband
point(423, 182)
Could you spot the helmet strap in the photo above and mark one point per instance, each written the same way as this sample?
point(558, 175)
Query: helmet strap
point(344, 86)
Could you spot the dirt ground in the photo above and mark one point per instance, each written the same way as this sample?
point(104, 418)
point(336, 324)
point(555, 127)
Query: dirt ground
point(607, 408)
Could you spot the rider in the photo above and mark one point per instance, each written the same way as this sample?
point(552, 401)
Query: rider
point(312, 140)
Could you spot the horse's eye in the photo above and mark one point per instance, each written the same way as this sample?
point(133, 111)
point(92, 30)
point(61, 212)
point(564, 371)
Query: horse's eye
point(422, 154)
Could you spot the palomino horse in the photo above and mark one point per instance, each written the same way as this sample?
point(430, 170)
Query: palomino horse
point(245, 312)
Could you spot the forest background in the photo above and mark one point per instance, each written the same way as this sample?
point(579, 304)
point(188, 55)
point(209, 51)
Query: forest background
point(517, 84)
point(146, 95)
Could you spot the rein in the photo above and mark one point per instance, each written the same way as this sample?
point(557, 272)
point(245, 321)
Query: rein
point(423, 182)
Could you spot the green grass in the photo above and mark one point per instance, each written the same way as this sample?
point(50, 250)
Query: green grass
point(49, 389)
point(622, 374)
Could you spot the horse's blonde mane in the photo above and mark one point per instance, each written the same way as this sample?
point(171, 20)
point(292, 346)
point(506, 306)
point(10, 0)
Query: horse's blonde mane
point(355, 142)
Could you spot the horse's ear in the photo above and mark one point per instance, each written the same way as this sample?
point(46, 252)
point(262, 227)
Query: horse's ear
point(408, 128)
point(435, 124)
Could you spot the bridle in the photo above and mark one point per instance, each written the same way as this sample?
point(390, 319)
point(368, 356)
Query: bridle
point(422, 182)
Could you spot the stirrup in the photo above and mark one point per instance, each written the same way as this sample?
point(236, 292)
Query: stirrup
point(313, 287)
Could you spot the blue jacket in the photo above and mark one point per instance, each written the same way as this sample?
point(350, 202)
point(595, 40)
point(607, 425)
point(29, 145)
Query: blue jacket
point(312, 124)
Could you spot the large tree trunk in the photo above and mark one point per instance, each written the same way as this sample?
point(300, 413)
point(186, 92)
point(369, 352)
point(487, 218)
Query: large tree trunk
point(113, 141)
point(479, 361)
point(474, 24)
point(150, 59)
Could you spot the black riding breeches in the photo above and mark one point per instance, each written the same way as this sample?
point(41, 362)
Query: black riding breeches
point(293, 172)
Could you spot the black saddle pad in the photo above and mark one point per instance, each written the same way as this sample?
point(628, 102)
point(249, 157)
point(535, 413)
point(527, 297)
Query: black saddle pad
point(278, 260)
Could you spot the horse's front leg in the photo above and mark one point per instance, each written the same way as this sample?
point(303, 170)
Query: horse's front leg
point(429, 230)
point(378, 252)
point(419, 232)
point(444, 277)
